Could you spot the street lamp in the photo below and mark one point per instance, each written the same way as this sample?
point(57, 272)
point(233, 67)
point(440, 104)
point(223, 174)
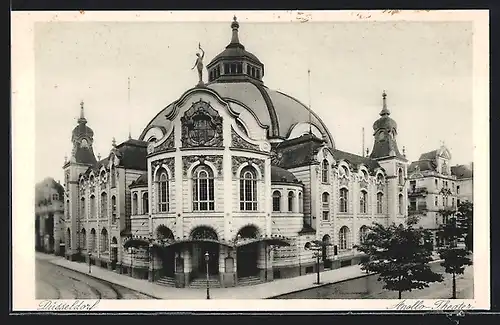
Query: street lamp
point(316, 253)
point(207, 258)
point(131, 261)
point(152, 262)
point(90, 262)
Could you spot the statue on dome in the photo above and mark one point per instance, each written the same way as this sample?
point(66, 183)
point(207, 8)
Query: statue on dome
point(199, 64)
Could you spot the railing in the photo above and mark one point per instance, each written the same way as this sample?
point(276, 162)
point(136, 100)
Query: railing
point(421, 208)
point(417, 191)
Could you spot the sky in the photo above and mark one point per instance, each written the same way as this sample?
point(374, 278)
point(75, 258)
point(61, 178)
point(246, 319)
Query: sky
point(425, 68)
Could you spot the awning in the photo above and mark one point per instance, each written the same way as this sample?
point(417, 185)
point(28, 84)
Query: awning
point(188, 241)
point(273, 240)
point(136, 242)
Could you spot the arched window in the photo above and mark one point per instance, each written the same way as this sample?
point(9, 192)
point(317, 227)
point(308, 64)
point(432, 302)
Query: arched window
point(401, 180)
point(82, 208)
point(83, 239)
point(104, 245)
point(344, 193)
point(301, 203)
point(66, 209)
point(380, 203)
point(92, 207)
point(92, 244)
point(163, 190)
point(364, 174)
point(401, 207)
point(113, 209)
point(291, 196)
point(362, 201)
point(135, 202)
point(363, 231)
point(163, 232)
point(113, 176)
point(145, 203)
point(344, 238)
point(380, 178)
point(276, 201)
point(344, 171)
point(248, 189)
point(325, 199)
point(68, 239)
point(324, 171)
point(104, 205)
point(203, 189)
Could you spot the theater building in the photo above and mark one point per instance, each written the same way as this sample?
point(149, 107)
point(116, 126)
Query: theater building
point(232, 179)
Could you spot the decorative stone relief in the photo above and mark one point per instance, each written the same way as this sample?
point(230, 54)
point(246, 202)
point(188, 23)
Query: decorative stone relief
point(237, 161)
point(276, 158)
point(344, 181)
point(187, 161)
point(170, 162)
point(363, 183)
point(169, 143)
point(201, 126)
point(238, 142)
point(380, 186)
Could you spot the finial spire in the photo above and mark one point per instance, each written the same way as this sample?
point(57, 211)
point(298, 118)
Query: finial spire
point(309, 95)
point(129, 133)
point(98, 156)
point(404, 151)
point(82, 118)
point(234, 26)
point(367, 152)
point(384, 111)
point(113, 142)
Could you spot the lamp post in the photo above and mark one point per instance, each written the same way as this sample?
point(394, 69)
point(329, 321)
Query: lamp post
point(316, 253)
point(90, 262)
point(152, 262)
point(207, 258)
point(131, 261)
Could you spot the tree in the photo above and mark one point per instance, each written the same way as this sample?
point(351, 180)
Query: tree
point(464, 221)
point(400, 255)
point(454, 258)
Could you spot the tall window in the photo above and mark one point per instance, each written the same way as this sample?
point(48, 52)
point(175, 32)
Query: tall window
point(104, 205)
point(92, 206)
point(276, 201)
point(400, 177)
point(113, 177)
point(301, 203)
point(83, 240)
point(67, 210)
point(163, 191)
point(435, 201)
point(458, 189)
point(248, 189)
point(343, 199)
point(291, 196)
point(324, 171)
point(82, 208)
point(145, 203)
point(362, 201)
point(203, 189)
point(325, 199)
point(135, 202)
point(92, 244)
point(344, 238)
point(363, 231)
point(113, 209)
point(104, 241)
point(401, 206)
point(380, 203)
point(68, 238)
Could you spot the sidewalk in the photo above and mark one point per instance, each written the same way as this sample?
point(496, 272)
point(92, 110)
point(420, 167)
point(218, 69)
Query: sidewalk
point(259, 291)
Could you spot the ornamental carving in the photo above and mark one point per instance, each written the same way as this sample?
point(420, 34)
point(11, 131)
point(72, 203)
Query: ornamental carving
point(363, 183)
point(169, 143)
point(276, 158)
point(238, 142)
point(187, 161)
point(169, 162)
point(380, 186)
point(201, 126)
point(344, 181)
point(66, 181)
point(237, 161)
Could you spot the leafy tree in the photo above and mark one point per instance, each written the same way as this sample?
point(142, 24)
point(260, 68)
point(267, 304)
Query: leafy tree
point(464, 221)
point(400, 255)
point(455, 259)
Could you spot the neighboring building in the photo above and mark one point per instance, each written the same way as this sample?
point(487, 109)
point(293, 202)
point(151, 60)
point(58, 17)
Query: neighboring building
point(435, 185)
point(236, 171)
point(49, 211)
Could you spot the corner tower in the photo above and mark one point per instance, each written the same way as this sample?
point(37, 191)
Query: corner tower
point(82, 157)
point(386, 152)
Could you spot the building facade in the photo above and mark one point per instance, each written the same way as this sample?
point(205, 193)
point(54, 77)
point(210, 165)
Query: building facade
point(49, 220)
point(233, 180)
point(435, 185)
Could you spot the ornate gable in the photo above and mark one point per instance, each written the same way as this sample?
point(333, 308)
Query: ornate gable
point(201, 126)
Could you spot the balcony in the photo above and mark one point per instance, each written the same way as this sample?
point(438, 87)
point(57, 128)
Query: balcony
point(417, 209)
point(417, 191)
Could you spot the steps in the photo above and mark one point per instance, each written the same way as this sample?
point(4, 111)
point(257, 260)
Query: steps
point(202, 283)
point(249, 281)
point(166, 281)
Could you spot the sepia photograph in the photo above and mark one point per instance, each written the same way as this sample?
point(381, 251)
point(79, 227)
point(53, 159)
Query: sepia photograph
point(248, 156)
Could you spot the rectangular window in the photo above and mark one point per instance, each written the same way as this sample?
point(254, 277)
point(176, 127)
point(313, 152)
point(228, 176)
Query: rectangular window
point(436, 201)
point(458, 189)
point(326, 215)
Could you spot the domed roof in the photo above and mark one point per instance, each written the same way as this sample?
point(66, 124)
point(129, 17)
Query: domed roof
point(82, 130)
point(281, 175)
point(384, 121)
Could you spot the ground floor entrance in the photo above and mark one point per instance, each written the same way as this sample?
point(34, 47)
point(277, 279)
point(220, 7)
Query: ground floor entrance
point(200, 262)
point(247, 258)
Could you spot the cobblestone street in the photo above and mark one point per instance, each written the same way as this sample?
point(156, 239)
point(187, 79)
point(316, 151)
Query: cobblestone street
point(55, 282)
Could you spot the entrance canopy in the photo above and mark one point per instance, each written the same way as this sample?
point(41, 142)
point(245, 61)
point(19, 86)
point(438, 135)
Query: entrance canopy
point(188, 241)
point(136, 242)
point(276, 240)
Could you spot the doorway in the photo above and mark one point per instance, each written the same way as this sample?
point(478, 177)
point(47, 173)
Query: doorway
point(213, 262)
point(247, 257)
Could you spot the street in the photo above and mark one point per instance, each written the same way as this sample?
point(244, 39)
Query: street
point(369, 288)
point(55, 282)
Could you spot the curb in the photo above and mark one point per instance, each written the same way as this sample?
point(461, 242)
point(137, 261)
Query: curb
point(102, 280)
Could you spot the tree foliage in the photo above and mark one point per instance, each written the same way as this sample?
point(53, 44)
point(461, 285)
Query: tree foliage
point(464, 215)
point(400, 255)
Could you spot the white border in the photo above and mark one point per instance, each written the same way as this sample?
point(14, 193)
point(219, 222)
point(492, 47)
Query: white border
point(23, 152)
